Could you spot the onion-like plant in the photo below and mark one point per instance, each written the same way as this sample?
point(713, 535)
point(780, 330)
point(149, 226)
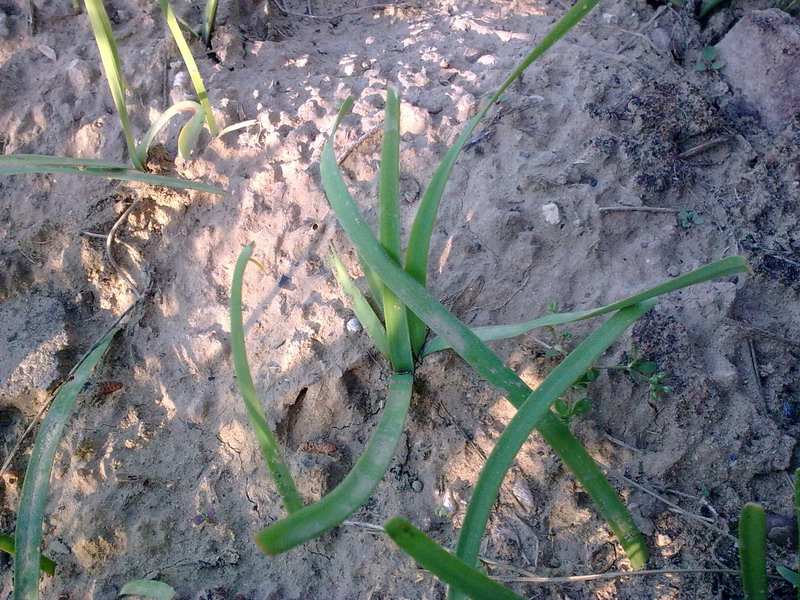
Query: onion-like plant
point(409, 309)
point(201, 113)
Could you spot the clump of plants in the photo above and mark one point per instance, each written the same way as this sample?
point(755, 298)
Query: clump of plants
point(397, 282)
point(201, 111)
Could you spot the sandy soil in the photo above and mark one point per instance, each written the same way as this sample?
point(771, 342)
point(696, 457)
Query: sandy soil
point(164, 478)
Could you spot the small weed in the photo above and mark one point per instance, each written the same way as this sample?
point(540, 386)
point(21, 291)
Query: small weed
point(708, 60)
point(689, 218)
point(574, 402)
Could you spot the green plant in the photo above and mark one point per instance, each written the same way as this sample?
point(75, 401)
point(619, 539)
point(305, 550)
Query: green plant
point(708, 61)
point(8, 545)
point(574, 403)
point(209, 17)
point(409, 309)
point(32, 501)
point(201, 112)
point(689, 218)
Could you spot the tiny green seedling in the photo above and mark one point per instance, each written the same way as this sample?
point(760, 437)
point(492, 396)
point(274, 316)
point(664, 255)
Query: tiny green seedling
point(690, 218)
point(574, 402)
point(708, 60)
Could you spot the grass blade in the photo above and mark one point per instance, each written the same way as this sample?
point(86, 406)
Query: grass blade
point(364, 313)
point(523, 423)
point(467, 344)
point(8, 545)
point(209, 18)
point(752, 551)
point(420, 236)
point(456, 573)
point(191, 65)
point(101, 26)
point(119, 173)
point(269, 447)
point(721, 268)
point(355, 489)
point(147, 587)
point(394, 312)
point(37, 477)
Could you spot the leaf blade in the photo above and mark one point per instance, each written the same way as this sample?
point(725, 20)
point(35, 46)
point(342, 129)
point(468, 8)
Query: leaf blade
point(37, 477)
point(276, 464)
point(444, 565)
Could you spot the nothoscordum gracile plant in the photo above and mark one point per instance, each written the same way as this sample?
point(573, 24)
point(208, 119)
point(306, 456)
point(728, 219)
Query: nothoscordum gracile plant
point(398, 284)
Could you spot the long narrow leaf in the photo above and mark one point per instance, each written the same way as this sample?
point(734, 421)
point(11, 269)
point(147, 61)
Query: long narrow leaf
point(471, 349)
point(752, 551)
point(143, 147)
point(721, 268)
point(269, 447)
point(524, 421)
point(375, 285)
point(118, 173)
point(37, 477)
point(355, 489)
point(8, 546)
point(209, 18)
point(191, 65)
point(101, 26)
point(30, 160)
point(420, 237)
point(456, 573)
point(364, 313)
point(394, 312)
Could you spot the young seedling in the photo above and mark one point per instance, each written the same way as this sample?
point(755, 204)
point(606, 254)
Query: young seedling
point(689, 218)
point(574, 403)
point(752, 551)
point(708, 60)
point(149, 589)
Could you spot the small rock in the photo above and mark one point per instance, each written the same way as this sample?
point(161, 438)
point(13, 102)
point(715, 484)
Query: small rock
point(417, 485)
point(661, 38)
point(551, 213)
point(353, 325)
point(760, 54)
point(673, 270)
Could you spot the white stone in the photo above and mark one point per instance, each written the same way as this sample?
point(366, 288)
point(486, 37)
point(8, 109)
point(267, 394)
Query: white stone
point(551, 213)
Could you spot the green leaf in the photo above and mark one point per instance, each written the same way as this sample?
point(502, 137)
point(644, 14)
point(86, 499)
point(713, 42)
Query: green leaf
point(106, 45)
point(209, 18)
point(529, 415)
point(721, 268)
point(363, 311)
point(752, 551)
point(708, 53)
point(394, 312)
point(266, 440)
point(187, 139)
point(120, 172)
point(708, 6)
point(429, 555)
point(7, 545)
point(647, 367)
point(37, 477)
point(789, 575)
point(483, 360)
point(188, 60)
point(146, 587)
point(422, 229)
point(315, 519)
point(582, 406)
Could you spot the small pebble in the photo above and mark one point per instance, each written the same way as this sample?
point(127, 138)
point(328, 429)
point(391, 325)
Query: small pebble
point(353, 325)
point(417, 485)
point(551, 213)
point(5, 31)
point(673, 271)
